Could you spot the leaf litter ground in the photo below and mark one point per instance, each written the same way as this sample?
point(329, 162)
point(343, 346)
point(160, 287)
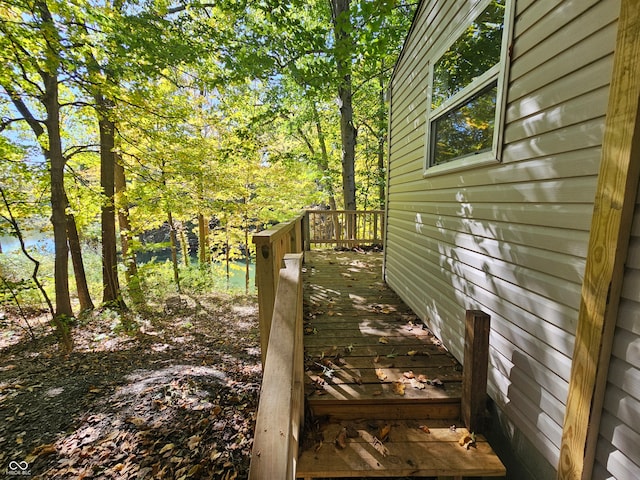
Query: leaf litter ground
point(175, 400)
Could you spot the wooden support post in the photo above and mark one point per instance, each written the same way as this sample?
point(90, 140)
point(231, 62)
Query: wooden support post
point(604, 270)
point(265, 274)
point(306, 229)
point(476, 360)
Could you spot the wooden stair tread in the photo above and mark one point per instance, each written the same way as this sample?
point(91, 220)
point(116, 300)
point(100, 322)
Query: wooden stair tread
point(408, 451)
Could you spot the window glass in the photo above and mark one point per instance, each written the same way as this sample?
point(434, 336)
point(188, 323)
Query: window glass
point(467, 129)
point(472, 54)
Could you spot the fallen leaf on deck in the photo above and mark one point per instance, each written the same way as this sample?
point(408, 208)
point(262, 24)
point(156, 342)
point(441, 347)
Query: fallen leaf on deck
point(409, 374)
point(341, 439)
point(467, 441)
point(422, 378)
point(411, 353)
point(380, 374)
point(398, 388)
point(383, 340)
point(424, 428)
point(416, 384)
point(383, 434)
point(436, 382)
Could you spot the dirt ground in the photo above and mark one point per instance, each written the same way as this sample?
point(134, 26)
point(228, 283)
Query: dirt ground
point(176, 400)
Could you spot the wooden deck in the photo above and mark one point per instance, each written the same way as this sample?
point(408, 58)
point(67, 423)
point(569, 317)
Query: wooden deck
point(382, 393)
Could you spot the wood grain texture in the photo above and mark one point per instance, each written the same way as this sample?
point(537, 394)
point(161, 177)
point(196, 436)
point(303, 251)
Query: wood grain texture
point(275, 447)
point(476, 362)
point(409, 450)
point(611, 224)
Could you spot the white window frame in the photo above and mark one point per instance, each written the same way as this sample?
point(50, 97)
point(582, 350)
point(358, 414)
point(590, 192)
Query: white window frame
point(498, 72)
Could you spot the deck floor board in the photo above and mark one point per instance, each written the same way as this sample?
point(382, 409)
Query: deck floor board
point(370, 361)
point(361, 339)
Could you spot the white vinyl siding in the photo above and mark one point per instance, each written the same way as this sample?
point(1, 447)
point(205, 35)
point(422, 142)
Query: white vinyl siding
point(618, 452)
point(508, 238)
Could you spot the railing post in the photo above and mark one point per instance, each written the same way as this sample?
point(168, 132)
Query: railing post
point(265, 275)
point(474, 372)
point(306, 229)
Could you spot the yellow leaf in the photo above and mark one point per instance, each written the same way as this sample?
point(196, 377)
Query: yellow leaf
point(215, 455)
point(195, 470)
point(137, 421)
point(383, 340)
point(166, 448)
point(380, 374)
point(398, 388)
point(383, 434)
point(409, 374)
point(411, 353)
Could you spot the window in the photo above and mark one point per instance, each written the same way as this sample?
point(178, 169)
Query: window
point(465, 92)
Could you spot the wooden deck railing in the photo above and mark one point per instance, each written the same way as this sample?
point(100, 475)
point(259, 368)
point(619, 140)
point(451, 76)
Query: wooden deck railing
point(281, 407)
point(312, 227)
point(271, 247)
point(278, 278)
point(346, 228)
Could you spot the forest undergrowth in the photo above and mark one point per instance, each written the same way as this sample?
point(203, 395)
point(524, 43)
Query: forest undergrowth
point(174, 398)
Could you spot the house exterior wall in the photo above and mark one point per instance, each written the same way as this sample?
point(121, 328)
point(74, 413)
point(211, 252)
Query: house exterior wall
point(617, 452)
point(508, 238)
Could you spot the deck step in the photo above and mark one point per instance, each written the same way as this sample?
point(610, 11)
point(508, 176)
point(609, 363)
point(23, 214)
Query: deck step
point(344, 399)
point(411, 448)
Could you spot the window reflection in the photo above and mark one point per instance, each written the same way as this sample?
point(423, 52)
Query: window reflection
point(467, 129)
point(471, 55)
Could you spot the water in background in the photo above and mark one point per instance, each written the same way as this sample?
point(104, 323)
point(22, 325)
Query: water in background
point(41, 241)
point(44, 243)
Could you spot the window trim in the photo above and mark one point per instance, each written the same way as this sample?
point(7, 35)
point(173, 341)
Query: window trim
point(498, 72)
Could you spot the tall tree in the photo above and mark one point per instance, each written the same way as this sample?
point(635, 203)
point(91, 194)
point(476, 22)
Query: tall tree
point(32, 50)
point(342, 27)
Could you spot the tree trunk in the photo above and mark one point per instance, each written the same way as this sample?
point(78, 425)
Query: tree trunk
point(327, 182)
point(86, 304)
point(128, 257)
point(247, 257)
point(110, 283)
point(382, 136)
point(343, 54)
point(53, 154)
point(64, 312)
point(184, 244)
point(174, 250)
point(203, 240)
point(227, 257)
